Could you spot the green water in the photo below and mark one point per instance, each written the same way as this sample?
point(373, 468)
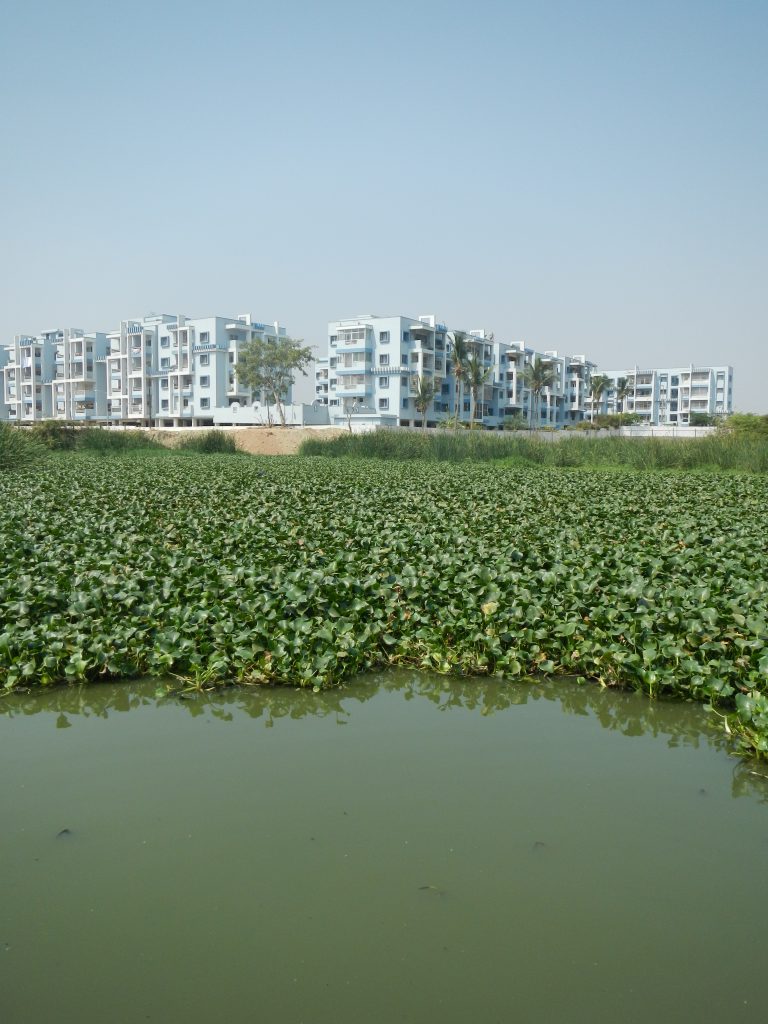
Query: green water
point(409, 849)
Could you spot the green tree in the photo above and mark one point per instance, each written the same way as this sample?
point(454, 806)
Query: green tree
point(476, 375)
point(459, 357)
point(625, 388)
point(270, 366)
point(702, 419)
point(537, 376)
point(599, 383)
point(516, 422)
point(425, 393)
point(747, 424)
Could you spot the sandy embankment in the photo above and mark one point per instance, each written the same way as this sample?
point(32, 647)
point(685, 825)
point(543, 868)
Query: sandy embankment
point(255, 440)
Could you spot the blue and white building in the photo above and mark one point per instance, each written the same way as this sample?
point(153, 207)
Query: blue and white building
point(172, 371)
point(667, 396)
point(159, 370)
point(51, 375)
point(372, 370)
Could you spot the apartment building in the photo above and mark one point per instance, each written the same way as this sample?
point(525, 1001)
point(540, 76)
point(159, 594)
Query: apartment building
point(79, 385)
point(28, 373)
point(159, 370)
point(373, 366)
point(561, 403)
point(170, 370)
point(668, 396)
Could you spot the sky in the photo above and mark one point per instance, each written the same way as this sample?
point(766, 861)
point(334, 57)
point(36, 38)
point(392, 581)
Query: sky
point(591, 177)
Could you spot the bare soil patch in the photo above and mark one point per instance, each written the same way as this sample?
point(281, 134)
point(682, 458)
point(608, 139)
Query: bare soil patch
point(255, 440)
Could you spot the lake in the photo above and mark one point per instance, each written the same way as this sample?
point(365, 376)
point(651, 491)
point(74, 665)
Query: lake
point(410, 848)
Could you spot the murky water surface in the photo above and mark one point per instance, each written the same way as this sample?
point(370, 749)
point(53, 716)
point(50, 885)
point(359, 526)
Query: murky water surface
point(409, 849)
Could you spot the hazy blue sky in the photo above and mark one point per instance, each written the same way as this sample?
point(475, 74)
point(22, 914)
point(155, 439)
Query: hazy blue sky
point(588, 176)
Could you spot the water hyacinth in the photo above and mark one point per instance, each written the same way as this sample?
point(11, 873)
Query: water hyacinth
point(305, 571)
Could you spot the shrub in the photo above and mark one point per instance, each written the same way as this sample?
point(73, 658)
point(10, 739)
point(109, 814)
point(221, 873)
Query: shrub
point(747, 424)
point(57, 435)
point(18, 448)
point(108, 441)
point(208, 442)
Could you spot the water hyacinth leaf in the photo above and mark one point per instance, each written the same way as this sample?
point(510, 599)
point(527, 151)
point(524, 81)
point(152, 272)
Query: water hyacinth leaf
point(322, 567)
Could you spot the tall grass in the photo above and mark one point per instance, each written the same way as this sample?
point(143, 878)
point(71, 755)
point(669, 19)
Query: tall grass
point(18, 448)
point(108, 441)
point(716, 452)
point(208, 442)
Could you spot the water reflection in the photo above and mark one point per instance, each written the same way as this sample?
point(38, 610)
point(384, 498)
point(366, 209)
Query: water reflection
point(626, 713)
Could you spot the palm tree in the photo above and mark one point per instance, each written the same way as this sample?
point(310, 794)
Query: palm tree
point(599, 384)
point(476, 374)
point(537, 376)
point(624, 389)
point(425, 393)
point(459, 357)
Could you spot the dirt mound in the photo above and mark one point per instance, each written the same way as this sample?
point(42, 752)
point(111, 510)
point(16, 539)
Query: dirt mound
point(255, 440)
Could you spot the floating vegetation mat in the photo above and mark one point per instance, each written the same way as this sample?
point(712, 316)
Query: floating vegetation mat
point(305, 571)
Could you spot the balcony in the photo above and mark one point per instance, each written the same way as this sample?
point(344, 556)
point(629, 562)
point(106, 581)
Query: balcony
point(356, 367)
point(352, 390)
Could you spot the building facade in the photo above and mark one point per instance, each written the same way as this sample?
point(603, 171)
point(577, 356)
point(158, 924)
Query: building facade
point(372, 370)
point(28, 374)
point(160, 370)
point(171, 371)
point(668, 396)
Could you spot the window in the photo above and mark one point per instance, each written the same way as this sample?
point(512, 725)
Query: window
point(164, 404)
point(204, 337)
point(414, 357)
point(405, 403)
point(384, 337)
point(165, 341)
point(164, 384)
point(165, 363)
point(404, 381)
point(205, 359)
point(231, 357)
point(333, 339)
point(205, 382)
point(384, 359)
point(333, 362)
point(383, 382)
point(406, 336)
point(205, 403)
point(334, 401)
point(383, 403)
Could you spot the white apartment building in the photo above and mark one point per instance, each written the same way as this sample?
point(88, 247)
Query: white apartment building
point(374, 363)
point(79, 385)
point(373, 366)
point(168, 370)
point(668, 396)
point(28, 373)
point(160, 370)
point(562, 403)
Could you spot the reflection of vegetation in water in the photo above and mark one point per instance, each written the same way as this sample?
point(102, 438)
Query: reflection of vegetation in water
point(681, 725)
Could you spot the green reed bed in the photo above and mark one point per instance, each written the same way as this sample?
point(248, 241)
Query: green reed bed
point(208, 442)
point(18, 449)
point(305, 571)
point(720, 451)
